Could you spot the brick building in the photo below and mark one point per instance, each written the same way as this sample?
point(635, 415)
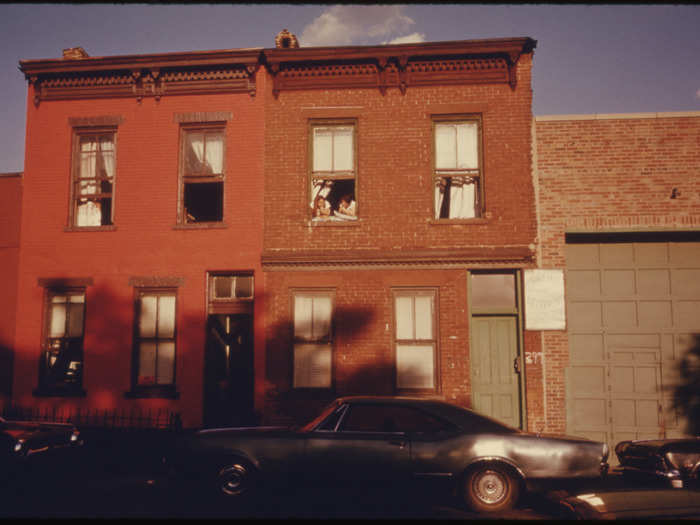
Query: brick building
point(139, 260)
point(399, 216)
point(618, 200)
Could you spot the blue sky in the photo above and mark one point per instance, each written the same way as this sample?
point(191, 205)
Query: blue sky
point(589, 58)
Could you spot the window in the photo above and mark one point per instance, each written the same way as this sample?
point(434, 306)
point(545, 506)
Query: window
point(231, 287)
point(493, 291)
point(155, 339)
point(313, 341)
point(333, 170)
point(202, 175)
point(93, 178)
point(457, 175)
point(392, 419)
point(415, 339)
point(62, 359)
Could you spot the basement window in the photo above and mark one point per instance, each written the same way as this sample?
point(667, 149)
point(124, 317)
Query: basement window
point(202, 175)
point(333, 171)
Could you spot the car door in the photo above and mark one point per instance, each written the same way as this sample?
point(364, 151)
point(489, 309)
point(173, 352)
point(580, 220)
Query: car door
point(365, 447)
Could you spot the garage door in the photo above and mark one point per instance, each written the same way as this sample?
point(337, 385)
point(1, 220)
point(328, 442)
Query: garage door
point(632, 310)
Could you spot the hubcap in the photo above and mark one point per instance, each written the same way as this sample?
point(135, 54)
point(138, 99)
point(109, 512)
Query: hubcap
point(233, 480)
point(490, 487)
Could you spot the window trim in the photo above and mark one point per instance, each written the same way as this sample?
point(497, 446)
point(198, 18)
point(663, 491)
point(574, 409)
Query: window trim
point(480, 207)
point(435, 341)
point(186, 128)
point(314, 292)
point(314, 123)
point(44, 389)
point(168, 391)
point(79, 131)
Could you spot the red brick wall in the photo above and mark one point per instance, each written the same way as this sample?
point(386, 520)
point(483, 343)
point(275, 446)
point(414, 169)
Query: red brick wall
point(144, 242)
point(10, 211)
point(609, 173)
point(395, 202)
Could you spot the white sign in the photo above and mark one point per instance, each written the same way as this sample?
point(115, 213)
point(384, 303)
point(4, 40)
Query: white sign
point(544, 300)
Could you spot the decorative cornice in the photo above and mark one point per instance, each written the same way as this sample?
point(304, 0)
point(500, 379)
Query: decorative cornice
point(356, 259)
point(399, 66)
point(141, 76)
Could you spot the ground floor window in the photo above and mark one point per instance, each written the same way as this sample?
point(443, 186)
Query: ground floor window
point(415, 339)
point(313, 340)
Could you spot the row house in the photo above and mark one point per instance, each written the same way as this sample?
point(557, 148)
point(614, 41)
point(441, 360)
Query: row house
point(239, 236)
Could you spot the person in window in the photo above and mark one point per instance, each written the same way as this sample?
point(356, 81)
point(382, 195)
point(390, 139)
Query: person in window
point(347, 206)
point(322, 208)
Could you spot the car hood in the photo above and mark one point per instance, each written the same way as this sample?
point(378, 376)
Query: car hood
point(22, 429)
point(637, 503)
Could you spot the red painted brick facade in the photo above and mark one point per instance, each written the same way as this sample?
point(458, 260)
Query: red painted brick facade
point(143, 243)
point(609, 173)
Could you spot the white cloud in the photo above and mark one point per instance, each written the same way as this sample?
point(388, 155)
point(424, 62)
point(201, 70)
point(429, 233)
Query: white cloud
point(413, 38)
point(359, 24)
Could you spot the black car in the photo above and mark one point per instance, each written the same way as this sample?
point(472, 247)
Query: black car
point(385, 441)
point(20, 440)
point(676, 461)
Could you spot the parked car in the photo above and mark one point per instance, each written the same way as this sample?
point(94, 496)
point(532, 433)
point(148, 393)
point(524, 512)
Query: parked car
point(632, 504)
point(676, 461)
point(365, 441)
point(20, 440)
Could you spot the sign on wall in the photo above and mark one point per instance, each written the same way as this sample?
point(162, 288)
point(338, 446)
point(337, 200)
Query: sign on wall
point(544, 300)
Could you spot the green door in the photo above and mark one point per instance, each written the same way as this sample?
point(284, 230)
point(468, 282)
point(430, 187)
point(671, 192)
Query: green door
point(495, 368)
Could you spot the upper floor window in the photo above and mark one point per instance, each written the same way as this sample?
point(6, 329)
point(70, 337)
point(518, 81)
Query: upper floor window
point(415, 339)
point(313, 339)
point(333, 171)
point(457, 174)
point(202, 175)
point(61, 367)
point(93, 178)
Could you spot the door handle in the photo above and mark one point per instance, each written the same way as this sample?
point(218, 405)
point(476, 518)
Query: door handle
point(516, 365)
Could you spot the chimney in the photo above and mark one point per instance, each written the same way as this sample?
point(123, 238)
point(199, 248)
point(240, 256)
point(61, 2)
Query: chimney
point(286, 40)
point(74, 53)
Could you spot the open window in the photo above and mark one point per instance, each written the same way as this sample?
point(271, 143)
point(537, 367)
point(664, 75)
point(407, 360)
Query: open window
point(333, 171)
point(93, 177)
point(457, 175)
point(415, 339)
point(313, 339)
point(202, 175)
point(61, 370)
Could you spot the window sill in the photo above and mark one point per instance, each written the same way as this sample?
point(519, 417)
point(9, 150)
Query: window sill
point(325, 223)
point(59, 392)
point(447, 222)
point(167, 392)
point(109, 228)
point(201, 226)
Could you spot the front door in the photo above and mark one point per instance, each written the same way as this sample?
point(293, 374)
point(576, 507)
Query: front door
point(495, 368)
point(228, 370)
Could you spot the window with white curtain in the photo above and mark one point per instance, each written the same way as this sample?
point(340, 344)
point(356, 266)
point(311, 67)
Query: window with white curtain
point(93, 178)
point(62, 363)
point(155, 338)
point(415, 339)
point(202, 179)
point(457, 175)
point(313, 339)
point(333, 170)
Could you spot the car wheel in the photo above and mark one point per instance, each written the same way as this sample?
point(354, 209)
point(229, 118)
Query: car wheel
point(490, 488)
point(235, 480)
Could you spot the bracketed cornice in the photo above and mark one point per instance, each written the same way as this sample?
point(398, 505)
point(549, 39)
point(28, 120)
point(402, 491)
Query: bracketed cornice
point(80, 76)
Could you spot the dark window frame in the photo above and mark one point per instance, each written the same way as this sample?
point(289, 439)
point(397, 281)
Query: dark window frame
point(185, 178)
point(52, 387)
point(106, 197)
point(324, 177)
point(475, 174)
point(155, 390)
